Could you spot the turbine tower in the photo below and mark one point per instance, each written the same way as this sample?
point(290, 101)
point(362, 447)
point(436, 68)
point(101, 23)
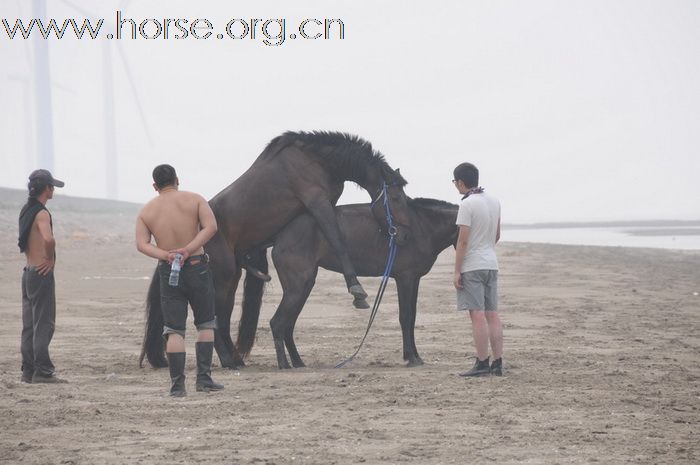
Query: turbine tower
point(110, 138)
point(42, 93)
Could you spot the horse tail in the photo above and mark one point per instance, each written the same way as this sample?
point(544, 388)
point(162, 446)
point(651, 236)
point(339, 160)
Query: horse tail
point(153, 346)
point(252, 301)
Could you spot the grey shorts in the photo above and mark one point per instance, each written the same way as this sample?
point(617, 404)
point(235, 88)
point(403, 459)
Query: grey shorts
point(479, 291)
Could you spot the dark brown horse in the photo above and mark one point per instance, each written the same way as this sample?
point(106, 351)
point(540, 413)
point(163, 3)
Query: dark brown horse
point(301, 248)
point(297, 173)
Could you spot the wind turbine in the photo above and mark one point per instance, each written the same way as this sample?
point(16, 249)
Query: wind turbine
point(42, 92)
point(39, 150)
point(25, 82)
point(110, 150)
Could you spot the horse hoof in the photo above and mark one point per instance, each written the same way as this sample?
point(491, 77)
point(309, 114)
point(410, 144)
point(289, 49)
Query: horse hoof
point(233, 365)
point(259, 274)
point(360, 303)
point(414, 363)
point(357, 291)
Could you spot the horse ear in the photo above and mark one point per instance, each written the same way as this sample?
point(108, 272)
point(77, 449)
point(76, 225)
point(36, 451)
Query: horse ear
point(398, 170)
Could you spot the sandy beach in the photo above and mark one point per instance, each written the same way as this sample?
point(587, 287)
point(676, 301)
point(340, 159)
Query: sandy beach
point(601, 365)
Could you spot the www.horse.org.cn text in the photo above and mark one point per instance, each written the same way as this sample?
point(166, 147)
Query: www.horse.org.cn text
point(271, 32)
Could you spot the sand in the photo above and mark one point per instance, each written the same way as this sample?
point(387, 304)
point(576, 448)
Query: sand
point(601, 365)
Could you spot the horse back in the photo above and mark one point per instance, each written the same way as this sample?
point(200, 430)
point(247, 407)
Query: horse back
point(273, 191)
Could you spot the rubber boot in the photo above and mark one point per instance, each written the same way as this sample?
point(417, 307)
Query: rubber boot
point(204, 381)
point(176, 363)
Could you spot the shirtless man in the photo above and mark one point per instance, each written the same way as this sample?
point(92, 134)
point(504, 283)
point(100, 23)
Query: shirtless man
point(36, 241)
point(181, 223)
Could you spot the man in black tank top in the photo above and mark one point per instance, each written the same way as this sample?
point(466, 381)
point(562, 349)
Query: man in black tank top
point(36, 241)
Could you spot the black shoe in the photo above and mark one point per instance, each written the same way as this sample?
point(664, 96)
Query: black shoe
point(204, 381)
point(497, 367)
point(27, 373)
point(46, 379)
point(176, 363)
point(480, 368)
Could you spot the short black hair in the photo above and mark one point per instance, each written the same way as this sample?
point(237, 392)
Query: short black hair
point(468, 174)
point(164, 175)
point(37, 187)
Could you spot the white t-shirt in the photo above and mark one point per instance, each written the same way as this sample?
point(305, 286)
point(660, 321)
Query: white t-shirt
point(481, 212)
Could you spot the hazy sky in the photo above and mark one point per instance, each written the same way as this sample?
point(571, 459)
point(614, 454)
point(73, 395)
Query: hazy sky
point(572, 110)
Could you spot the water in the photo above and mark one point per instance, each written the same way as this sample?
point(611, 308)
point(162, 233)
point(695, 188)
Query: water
point(657, 236)
point(175, 270)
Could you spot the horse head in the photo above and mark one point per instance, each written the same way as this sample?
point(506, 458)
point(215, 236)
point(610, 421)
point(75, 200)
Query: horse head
point(390, 205)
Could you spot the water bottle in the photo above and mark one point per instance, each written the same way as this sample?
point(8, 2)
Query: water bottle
point(175, 270)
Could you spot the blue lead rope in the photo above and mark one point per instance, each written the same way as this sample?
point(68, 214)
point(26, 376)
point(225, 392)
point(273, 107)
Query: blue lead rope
point(385, 277)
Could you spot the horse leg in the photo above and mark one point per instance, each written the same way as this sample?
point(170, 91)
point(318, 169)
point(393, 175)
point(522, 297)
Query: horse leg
point(280, 323)
point(225, 298)
point(297, 362)
point(407, 290)
point(282, 362)
point(323, 212)
point(412, 324)
point(276, 325)
point(297, 273)
point(226, 274)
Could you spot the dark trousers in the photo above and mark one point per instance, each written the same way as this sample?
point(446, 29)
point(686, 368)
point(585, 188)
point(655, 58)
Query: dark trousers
point(196, 288)
point(38, 321)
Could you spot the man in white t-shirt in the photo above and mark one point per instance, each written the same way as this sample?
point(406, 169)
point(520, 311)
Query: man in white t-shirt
point(476, 268)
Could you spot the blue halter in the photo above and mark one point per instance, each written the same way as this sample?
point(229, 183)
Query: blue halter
point(387, 270)
point(387, 210)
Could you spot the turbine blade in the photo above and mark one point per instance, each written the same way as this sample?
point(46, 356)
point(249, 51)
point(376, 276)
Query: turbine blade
point(80, 9)
point(127, 70)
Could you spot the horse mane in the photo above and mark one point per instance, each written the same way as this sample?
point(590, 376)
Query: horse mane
point(349, 154)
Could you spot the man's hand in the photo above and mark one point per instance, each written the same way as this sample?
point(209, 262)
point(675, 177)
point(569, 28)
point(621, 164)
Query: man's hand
point(460, 253)
point(183, 251)
point(45, 267)
point(457, 280)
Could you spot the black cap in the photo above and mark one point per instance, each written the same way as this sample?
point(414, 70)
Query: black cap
point(45, 177)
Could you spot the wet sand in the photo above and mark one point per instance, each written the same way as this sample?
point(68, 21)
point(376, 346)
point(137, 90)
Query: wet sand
point(601, 365)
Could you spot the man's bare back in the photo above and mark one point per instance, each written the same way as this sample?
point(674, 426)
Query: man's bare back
point(181, 223)
point(178, 220)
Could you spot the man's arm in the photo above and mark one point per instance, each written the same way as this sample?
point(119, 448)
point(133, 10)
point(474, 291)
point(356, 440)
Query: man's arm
point(143, 241)
point(461, 251)
point(43, 223)
point(207, 225)
point(498, 230)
